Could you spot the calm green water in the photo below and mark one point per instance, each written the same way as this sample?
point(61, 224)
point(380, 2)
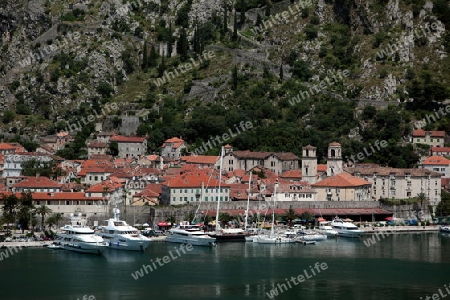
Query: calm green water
point(397, 267)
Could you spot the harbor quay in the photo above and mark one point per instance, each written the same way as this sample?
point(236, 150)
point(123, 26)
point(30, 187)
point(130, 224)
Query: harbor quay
point(400, 229)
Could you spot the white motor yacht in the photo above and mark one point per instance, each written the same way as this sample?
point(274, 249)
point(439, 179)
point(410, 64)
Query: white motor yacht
point(312, 236)
point(346, 229)
point(80, 238)
point(327, 229)
point(121, 236)
point(190, 234)
point(444, 228)
point(274, 239)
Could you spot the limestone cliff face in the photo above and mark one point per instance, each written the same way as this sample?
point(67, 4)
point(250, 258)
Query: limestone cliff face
point(58, 54)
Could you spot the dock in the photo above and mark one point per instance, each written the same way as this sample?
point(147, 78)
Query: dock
point(25, 244)
point(400, 229)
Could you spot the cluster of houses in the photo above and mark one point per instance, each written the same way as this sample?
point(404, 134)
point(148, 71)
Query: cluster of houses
point(135, 178)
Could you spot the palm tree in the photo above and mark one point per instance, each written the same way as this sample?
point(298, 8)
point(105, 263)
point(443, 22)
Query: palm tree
point(43, 211)
point(54, 219)
point(421, 198)
point(57, 217)
point(290, 215)
point(307, 216)
point(11, 204)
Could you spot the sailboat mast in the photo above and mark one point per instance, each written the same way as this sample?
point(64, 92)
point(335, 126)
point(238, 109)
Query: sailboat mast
point(272, 232)
point(220, 192)
point(248, 201)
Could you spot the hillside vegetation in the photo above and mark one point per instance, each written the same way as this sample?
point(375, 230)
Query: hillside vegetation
point(302, 72)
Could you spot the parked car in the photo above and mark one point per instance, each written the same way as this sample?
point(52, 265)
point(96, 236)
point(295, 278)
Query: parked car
point(149, 233)
point(159, 232)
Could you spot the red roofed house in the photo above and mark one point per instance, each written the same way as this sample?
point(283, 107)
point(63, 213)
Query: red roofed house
point(343, 187)
point(109, 190)
point(130, 146)
point(149, 196)
point(440, 151)
point(37, 184)
point(432, 138)
point(204, 160)
point(398, 183)
point(193, 187)
point(437, 164)
point(6, 148)
point(277, 162)
point(298, 191)
point(292, 175)
point(96, 147)
point(67, 203)
point(172, 148)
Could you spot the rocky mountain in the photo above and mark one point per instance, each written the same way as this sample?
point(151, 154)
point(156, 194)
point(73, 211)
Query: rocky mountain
point(195, 68)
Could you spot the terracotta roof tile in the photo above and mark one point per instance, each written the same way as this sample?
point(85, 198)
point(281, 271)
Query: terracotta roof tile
point(200, 159)
point(432, 133)
point(342, 180)
point(37, 182)
point(127, 139)
point(385, 171)
point(436, 160)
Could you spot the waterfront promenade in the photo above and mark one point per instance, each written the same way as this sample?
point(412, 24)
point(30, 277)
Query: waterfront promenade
point(400, 229)
point(25, 244)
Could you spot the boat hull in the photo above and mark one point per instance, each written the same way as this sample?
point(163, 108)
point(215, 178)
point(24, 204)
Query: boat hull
point(229, 237)
point(207, 242)
point(129, 245)
point(350, 234)
point(251, 239)
point(96, 249)
point(274, 240)
point(314, 237)
point(445, 229)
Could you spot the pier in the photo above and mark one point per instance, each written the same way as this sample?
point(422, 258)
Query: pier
point(400, 229)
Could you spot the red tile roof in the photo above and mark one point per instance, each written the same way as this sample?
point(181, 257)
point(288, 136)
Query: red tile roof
point(101, 157)
point(194, 180)
point(96, 144)
point(200, 159)
point(292, 174)
point(298, 187)
point(440, 149)
point(175, 141)
point(385, 171)
point(127, 139)
point(341, 180)
point(334, 144)
point(432, 133)
point(6, 146)
point(436, 160)
point(107, 185)
point(321, 168)
point(37, 182)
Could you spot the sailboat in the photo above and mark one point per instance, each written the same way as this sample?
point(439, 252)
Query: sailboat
point(226, 234)
point(273, 238)
point(251, 237)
